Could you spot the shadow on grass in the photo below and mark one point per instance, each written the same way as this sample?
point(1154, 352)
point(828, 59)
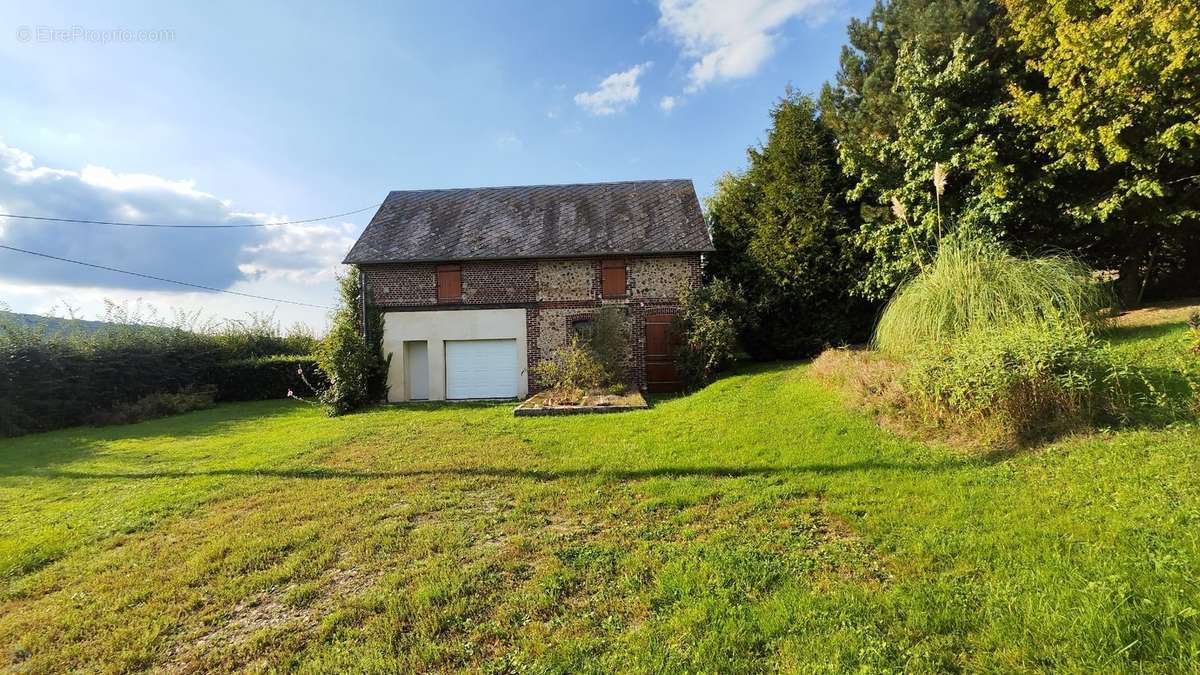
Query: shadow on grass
point(503, 472)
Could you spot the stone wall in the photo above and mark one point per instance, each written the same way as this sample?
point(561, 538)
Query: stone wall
point(553, 293)
point(560, 280)
point(660, 277)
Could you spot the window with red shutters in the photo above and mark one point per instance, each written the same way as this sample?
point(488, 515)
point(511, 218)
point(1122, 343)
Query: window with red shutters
point(612, 278)
point(449, 283)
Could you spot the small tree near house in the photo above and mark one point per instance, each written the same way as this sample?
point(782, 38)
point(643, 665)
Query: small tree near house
point(708, 331)
point(354, 363)
point(609, 341)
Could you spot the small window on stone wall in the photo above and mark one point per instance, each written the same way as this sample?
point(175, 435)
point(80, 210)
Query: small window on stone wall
point(612, 278)
point(449, 283)
point(582, 328)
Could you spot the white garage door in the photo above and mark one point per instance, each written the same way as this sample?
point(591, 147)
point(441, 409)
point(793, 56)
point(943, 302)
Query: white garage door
point(481, 369)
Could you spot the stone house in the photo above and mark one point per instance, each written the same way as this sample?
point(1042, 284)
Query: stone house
point(477, 285)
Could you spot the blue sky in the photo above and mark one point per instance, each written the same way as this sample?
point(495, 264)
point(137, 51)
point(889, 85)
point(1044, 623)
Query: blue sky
point(224, 112)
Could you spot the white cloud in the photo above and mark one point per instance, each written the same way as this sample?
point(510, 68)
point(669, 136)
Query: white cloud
point(730, 40)
point(295, 262)
point(668, 103)
point(615, 93)
point(306, 254)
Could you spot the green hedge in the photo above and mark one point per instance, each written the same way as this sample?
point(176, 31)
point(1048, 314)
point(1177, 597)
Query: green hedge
point(51, 385)
point(55, 385)
point(266, 377)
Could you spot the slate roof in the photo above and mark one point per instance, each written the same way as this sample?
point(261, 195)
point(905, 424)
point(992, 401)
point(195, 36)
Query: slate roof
point(535, 221)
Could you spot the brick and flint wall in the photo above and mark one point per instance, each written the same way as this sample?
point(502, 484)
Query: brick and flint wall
point(554, 293)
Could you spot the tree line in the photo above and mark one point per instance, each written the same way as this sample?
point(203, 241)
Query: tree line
point(1047, 125)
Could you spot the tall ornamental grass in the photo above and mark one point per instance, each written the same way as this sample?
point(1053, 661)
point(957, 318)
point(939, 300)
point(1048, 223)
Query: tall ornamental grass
point(998, 348)
point(974, 285)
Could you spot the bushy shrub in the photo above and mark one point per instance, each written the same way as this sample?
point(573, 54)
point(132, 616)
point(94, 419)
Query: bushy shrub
point(353, 363)
point(1005, 388)
point(153, 406)
point(988, 347)
point(1016, 384)
point(267, 377)
point(609, 342)
point(975, 285)
point(707, 329)
point(570, 373)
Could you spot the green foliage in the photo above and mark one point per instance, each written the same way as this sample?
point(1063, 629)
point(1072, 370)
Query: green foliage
point(1029, 382)
point(267, 377)
point(153, 406)
point(707, 326)
point(571, 371)
point(782, 235)
point(353, 363)
point(754, 526)
point(1116, 109)
point(974, 285)
point(57, 375)
point(609, 342)
point(1194, 325)
point(1013, 383)
point(1069, 124)
point(922, 85)
point(259, 335)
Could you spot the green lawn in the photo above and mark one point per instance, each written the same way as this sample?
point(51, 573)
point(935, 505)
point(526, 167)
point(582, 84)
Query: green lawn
point(756, 525)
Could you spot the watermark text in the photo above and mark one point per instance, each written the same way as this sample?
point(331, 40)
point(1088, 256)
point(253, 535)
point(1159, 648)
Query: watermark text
point(84, 34)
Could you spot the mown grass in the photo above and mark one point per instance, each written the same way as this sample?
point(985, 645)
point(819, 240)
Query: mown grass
point(756, 525)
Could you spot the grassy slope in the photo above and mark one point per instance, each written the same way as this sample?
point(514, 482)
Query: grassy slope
point(754, 525)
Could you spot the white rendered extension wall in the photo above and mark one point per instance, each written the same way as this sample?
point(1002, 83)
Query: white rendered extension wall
point(439, 326)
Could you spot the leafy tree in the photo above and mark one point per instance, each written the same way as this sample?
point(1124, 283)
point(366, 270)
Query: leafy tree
point(708, 326)
point(922, 86)
point(1117, 106)
point(781, 231)
point(353, 363)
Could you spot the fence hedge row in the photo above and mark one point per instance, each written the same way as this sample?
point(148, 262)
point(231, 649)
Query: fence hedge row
point(51, 385)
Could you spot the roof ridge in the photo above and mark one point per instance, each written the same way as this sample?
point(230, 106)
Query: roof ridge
point(546, 185)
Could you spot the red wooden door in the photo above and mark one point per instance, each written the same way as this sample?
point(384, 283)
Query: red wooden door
point(661, 343)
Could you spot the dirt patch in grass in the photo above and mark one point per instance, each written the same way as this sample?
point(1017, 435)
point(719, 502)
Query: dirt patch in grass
point(297, 607)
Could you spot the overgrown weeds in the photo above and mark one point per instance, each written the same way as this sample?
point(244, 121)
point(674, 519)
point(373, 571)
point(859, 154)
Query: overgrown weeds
point(999, 351)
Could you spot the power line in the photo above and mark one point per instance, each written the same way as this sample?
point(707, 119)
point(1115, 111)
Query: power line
point(151, 276)
point(187, 227)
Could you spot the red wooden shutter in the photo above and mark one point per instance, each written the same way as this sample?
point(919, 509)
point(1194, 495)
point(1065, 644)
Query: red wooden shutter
point(612, 278)
point(449, 283)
